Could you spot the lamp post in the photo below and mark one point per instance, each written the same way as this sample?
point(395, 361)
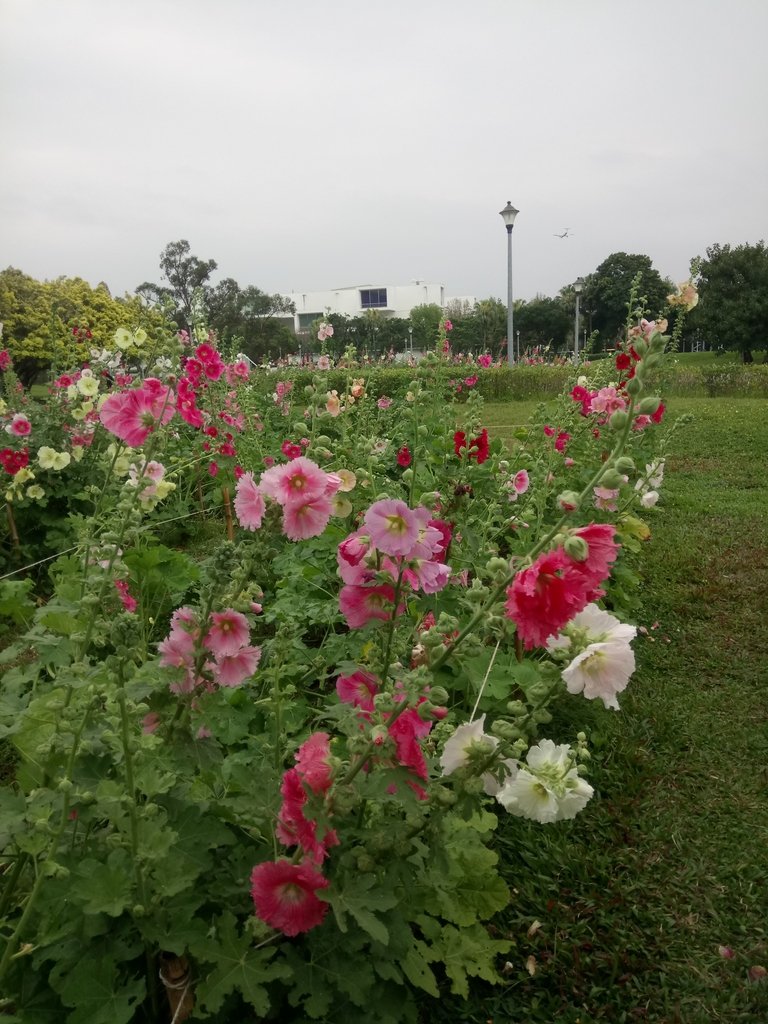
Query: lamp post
point(578, 287)
point(508, 215)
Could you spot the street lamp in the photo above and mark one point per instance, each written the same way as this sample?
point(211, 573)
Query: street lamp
point(508, 215)
point(578, 287)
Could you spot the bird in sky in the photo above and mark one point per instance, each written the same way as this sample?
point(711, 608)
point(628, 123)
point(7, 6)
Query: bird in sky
point(565, 234)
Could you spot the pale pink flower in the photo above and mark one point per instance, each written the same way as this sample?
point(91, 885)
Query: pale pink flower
point(393, 527)
point(306, 518)
point(323, 363)
point(431, 577)
point(233, 669)
point(384, 402)
point(606, 498)
point(333, 404)
point(299, 481)
point(521, 481)
point(249, 502)
point(177, 650)
point(228, 633)
point(608, 401)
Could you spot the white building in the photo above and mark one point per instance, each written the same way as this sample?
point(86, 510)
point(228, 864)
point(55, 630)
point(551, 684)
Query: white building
point(388, 300)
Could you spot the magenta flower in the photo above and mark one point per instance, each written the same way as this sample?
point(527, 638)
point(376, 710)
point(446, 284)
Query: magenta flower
point(228, 633)
point(284, 896)
point(359, 605)
point(249, 502)
point(313, 762)
point(384, 402)
point(19, 425)
point(359, 689)
point(547, 595)
point(393, 527)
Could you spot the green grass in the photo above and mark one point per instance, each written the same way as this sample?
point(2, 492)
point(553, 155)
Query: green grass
point(669, 861)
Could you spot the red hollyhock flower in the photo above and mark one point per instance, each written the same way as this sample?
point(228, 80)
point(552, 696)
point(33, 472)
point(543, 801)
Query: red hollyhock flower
point(284, 896)
point(658, 416)
point(404, 457)
point(623, 361)
point(459, 441)
point(546, 595)
point(479, 448)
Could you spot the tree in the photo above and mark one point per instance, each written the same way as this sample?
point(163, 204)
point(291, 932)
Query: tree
point(425, 320)
point(185, 274)
point(733, 298)
point(607, 291)
point(545, 321)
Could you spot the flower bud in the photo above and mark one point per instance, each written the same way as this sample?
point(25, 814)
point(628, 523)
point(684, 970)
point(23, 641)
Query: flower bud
point(634, 386)
point(309, 390)
point(568, 501)
point(577, 549)
point(423, 430)
point(299, 428)
point(505, 730)
point(618, 420)
point(649, 405)
point(624, 464)
point(439, 695)
point(496, 566)
point(428, 498)
point(407, 476)
point(611, 478)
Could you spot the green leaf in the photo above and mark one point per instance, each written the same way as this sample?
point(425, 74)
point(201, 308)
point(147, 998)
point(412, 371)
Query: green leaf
point(94, 989)
point(358, 898)
point(239, 967)
point(418, 971)
point(104, 888)
point(468, 952)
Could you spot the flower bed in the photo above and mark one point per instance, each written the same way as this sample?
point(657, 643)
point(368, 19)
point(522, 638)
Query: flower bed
point(277, 753)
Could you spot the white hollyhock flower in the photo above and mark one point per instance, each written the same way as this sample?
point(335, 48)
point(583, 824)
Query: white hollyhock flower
point(602, 670)
point(456, 752)
point(649, 498)
point(549, 789)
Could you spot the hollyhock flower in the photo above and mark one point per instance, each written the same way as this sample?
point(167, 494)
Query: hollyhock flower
point(459, 441)
point(448, 325)
point(562, 440)
point(13, 462)
point(150, 723)
point(658, 416)
point(641, 422)
point(19, 425)
point(360, 604)
point(347, 478)
point(601, 670)
point(249, 502)
point(213, 469)
point(470, 743)
point(470, 382)
point(608, 401)
point(549, 431)
point(293, 827)
point(228, 633)
point(546, 595)
point(233, 669)
point(284, 896)
point(301, 480)
point(440, 547)
point(603, 550)
point(484, 361)
point(313, 762)
point(133, 415)
point(431, 577)
point(359, 689)
point(606, 498)
point(623, 361)
point(177, 650)
point(406, 730)
point(5, 360)
point(306, 518)
point(48, 458)
point(384, 402)
point(323, 363)
point(549, 789)
point(290, 450)
point(392, 526)
point(129, 603)
point(404, 457)
point(686, 296)
point(649, 498)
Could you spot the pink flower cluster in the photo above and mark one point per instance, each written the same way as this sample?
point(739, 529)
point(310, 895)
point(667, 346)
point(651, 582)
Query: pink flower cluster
point(394, 543)
point(225, 636)
point(5, 360)
point(19, 425)
point(300, 487)
point(546, 595)
point(12, 461)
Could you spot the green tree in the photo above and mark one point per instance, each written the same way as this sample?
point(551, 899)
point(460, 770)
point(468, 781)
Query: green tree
point(424, 321)
point(733, 298)
point(545, 321)
point(607, 292)
point(185, 274)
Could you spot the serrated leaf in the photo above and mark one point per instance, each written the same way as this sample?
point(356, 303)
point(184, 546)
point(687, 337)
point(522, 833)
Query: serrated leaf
point(104, 888)
point(418, 971)
point(98, 996)
point(359, 898)
point(239, 968)
point(469, 952)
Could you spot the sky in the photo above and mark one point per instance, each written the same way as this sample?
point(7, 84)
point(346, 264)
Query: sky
point(315, 144)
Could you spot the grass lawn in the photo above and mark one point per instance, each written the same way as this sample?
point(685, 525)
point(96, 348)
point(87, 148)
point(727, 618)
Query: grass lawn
point(669, 861)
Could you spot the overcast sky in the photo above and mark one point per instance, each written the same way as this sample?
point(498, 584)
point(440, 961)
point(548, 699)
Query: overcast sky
point(311, 144)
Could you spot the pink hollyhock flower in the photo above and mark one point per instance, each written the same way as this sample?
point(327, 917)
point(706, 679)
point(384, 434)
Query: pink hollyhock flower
point(484, 361)
point(133, 415)
point(448, 325)
point(606, 498)
point(308, 519)
point(407, 729)
point(562, 440)
point(249, 502)
point(441, 546)
point(150, 722)
point(129, 603)
point(603, 550)
point(284, 896)
point(521, 481)
point(608, 401)
point(641, 422)
point(233, 669)
point(384, 402)
point(549, 431)
point(313, 762)
point(291, 450)
point(13, 461)
point(177, 650)
point(19, 425)
point(228, 633)
point(546, 595)
point(5, 360)
point(393, 527)
point(213, 468)
point(301, 480)
point(404, 457)
point(359, 605)
point(293, 827)
point(470, 382)
point(359, 689)
point(431, 577)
